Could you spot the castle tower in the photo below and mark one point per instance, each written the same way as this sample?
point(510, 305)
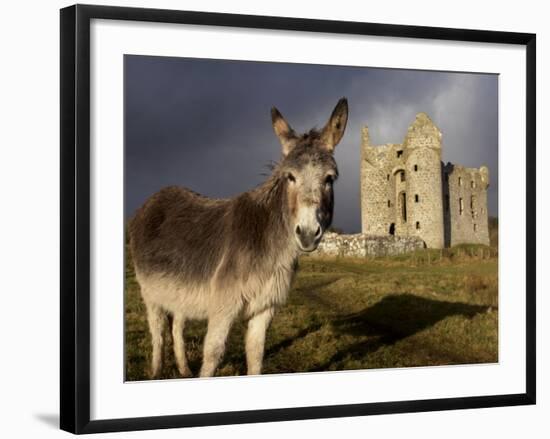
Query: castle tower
point(424, 185)
point(465, 206)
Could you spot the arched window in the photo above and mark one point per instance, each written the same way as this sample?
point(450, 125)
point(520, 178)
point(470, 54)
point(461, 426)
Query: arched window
point(392, 229)
point(399, 175)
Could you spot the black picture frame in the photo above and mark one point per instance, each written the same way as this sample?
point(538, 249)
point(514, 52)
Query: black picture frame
point(75, 217)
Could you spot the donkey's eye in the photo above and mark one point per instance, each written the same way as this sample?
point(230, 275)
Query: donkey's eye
point(329, 179)
point(291, 177)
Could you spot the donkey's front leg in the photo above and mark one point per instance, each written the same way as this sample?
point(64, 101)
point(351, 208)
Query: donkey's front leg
point(179, 345)
point(255, 340)
point(214, 343)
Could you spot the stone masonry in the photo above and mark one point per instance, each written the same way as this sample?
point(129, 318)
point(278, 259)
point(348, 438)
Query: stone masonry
point(406, 191)
point(361, 245)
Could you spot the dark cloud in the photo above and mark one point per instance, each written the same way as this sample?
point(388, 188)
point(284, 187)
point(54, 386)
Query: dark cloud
point(205, 124)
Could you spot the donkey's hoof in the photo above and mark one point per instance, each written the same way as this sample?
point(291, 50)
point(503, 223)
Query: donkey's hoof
point(155, 375)
point(186, 373)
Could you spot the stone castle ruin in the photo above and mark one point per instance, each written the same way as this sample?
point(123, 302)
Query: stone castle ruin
point(410, 199)
point(407, 191)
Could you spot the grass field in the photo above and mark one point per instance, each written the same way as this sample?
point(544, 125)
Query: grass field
point(424, 309)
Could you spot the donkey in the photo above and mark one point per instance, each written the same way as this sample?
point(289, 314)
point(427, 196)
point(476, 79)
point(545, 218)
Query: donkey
point(215, 259)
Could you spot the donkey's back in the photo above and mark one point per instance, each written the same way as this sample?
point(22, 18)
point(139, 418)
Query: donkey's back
point(178, 233)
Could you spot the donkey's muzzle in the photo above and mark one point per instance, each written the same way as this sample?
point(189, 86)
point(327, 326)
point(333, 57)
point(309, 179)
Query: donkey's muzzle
point(308, 238)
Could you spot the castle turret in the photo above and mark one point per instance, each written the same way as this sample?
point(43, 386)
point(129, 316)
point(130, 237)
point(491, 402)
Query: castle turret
point(424, 196)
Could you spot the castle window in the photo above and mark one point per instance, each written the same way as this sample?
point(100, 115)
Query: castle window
point(403, 200)
point(473, 202)
point(389, 203)
point(416, 198)
point(399, 153)
point(402, 175)
point(475, 227)
point(473, 184)
point(460, 181)
point(415, 168)
point(392, 229)
point(482, 210)
point(418, 225)
point(388, 177)
point(447, 203)
point(460, 205)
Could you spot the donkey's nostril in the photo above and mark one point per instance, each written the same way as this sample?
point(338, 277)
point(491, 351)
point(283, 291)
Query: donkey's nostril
point(318, 232)
point(298, 230)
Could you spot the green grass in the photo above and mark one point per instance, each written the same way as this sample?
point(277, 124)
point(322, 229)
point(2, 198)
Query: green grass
point(423, 309)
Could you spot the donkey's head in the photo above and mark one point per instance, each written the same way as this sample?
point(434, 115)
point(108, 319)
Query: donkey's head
point(308, 171)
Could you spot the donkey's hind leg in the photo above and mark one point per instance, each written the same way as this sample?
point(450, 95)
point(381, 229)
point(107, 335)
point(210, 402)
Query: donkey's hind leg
point(157, 322)
point(179, 345)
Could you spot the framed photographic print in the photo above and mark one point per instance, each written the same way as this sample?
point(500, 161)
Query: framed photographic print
point(269, 218)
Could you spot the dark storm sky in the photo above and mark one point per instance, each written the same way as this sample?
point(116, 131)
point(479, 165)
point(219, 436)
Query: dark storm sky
point(206, 125)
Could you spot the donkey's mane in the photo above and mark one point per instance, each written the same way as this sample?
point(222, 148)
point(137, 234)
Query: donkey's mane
point(309, 136)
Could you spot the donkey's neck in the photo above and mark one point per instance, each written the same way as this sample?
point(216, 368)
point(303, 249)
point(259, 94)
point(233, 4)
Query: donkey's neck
point(267, 220)
point(272, 192)
point(271, 198)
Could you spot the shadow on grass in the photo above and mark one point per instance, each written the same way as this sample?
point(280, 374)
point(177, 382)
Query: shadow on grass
point(273, 350)
point(394, 318)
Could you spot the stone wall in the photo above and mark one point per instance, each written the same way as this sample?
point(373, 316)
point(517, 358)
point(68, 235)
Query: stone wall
point(362, 245)
point(378, 210)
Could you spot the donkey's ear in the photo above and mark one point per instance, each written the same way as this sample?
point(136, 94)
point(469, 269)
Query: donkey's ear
point(334, 129)
point(286, 135)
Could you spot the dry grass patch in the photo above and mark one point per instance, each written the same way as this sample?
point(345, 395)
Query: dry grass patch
point(423, 309)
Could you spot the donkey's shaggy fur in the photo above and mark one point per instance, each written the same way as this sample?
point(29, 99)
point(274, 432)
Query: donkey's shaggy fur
point(201, 258)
